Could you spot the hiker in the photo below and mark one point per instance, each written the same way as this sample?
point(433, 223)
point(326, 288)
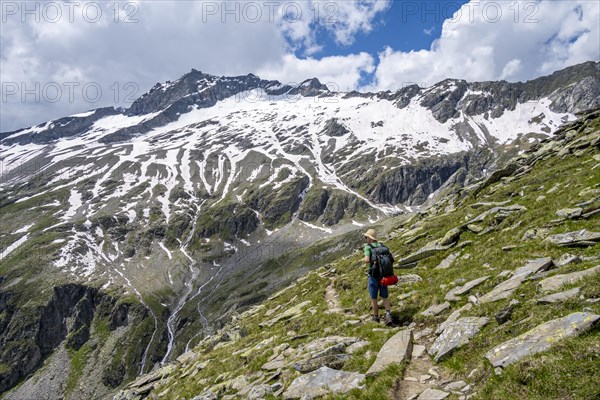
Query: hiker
point(374, 286)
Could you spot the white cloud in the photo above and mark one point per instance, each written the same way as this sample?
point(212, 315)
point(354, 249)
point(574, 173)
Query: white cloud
point(168, 39)
point(340, 73)
point(490, 40)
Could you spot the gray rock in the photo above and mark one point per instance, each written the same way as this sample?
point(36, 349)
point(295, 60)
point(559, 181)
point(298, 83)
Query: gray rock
point(535, 233)
point(559, 297)
point(279, 362)
point(417, 351)
point(436, 309)
point(453, 317)
point(456, 334)
point(323, 381)
point(354, 347)
point(569, 213)
point(396, 350)
point(335, 361)
point(505, 289)
point(454, 386)
point(259, 391)
point(506, 313)
point(425, 252)
point(540, 338)
point(505, 211)
point(407, 279)
point(567, 259)
point(474, 228)
point(287, 314)
point(576, 238)
point(404, 296)
point(460, 290)
point(433, 394)
point(207, 395)
point(447, 262)
point(556, 282)
point(451, 236)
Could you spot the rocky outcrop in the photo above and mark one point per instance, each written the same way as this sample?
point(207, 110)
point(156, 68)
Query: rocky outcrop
point(455, 335)
point(30, 335)
point(540, 338)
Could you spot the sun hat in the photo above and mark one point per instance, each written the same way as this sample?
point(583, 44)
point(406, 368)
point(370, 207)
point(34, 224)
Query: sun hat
point(371, 234)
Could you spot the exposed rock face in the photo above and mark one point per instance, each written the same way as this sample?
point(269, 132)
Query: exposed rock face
point(413, 183)
point(31, 335)
point(540, 338)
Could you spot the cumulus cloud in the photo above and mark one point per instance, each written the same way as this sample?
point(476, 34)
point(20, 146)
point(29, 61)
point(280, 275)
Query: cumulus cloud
point(491, 40)
point(59, 63)
point(339, 73)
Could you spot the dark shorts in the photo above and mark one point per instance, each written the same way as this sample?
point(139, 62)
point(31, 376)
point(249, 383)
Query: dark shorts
point(375, 287)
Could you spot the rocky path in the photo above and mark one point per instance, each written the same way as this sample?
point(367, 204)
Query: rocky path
point(422, 379)
point(332, 298)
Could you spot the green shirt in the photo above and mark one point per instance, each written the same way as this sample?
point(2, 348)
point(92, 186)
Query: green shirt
point(367, 248)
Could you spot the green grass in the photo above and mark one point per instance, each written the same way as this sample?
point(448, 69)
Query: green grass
point(79, 359)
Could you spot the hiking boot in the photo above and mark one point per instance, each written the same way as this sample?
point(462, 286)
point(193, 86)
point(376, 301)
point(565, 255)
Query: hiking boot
point(388, 319)
point(375, 318)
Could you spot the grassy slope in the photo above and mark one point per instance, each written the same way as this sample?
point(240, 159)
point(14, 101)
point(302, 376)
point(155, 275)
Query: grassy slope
point(566, 371)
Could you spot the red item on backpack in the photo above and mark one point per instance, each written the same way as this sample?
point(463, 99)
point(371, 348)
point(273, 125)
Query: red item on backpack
point(388, 280)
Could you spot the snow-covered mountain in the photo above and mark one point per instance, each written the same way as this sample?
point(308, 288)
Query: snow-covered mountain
point(206, 175)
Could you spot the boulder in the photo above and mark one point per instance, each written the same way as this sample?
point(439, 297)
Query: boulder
point(505, 314)
point(447, 262)
point(460, 290)
point(436, 309)
point(407, 279)
point(259, 392)
point(451, 236)
point(555, 282)
point(540, 338)
point(323, 381)
point(453, 317)
point(504, 211)
point(396, 350)
point(456, 334)
point(576, 238)
point(289, 313)
point(559, 297)
point(426, 251)
point(433, 394)
point(570, 213)
point(505, 289)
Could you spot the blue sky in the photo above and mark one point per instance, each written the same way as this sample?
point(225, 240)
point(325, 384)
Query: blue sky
point(405, 26)
point(373, 45)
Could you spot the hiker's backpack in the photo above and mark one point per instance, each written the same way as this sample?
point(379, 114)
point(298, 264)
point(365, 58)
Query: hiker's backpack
point(382, 261)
